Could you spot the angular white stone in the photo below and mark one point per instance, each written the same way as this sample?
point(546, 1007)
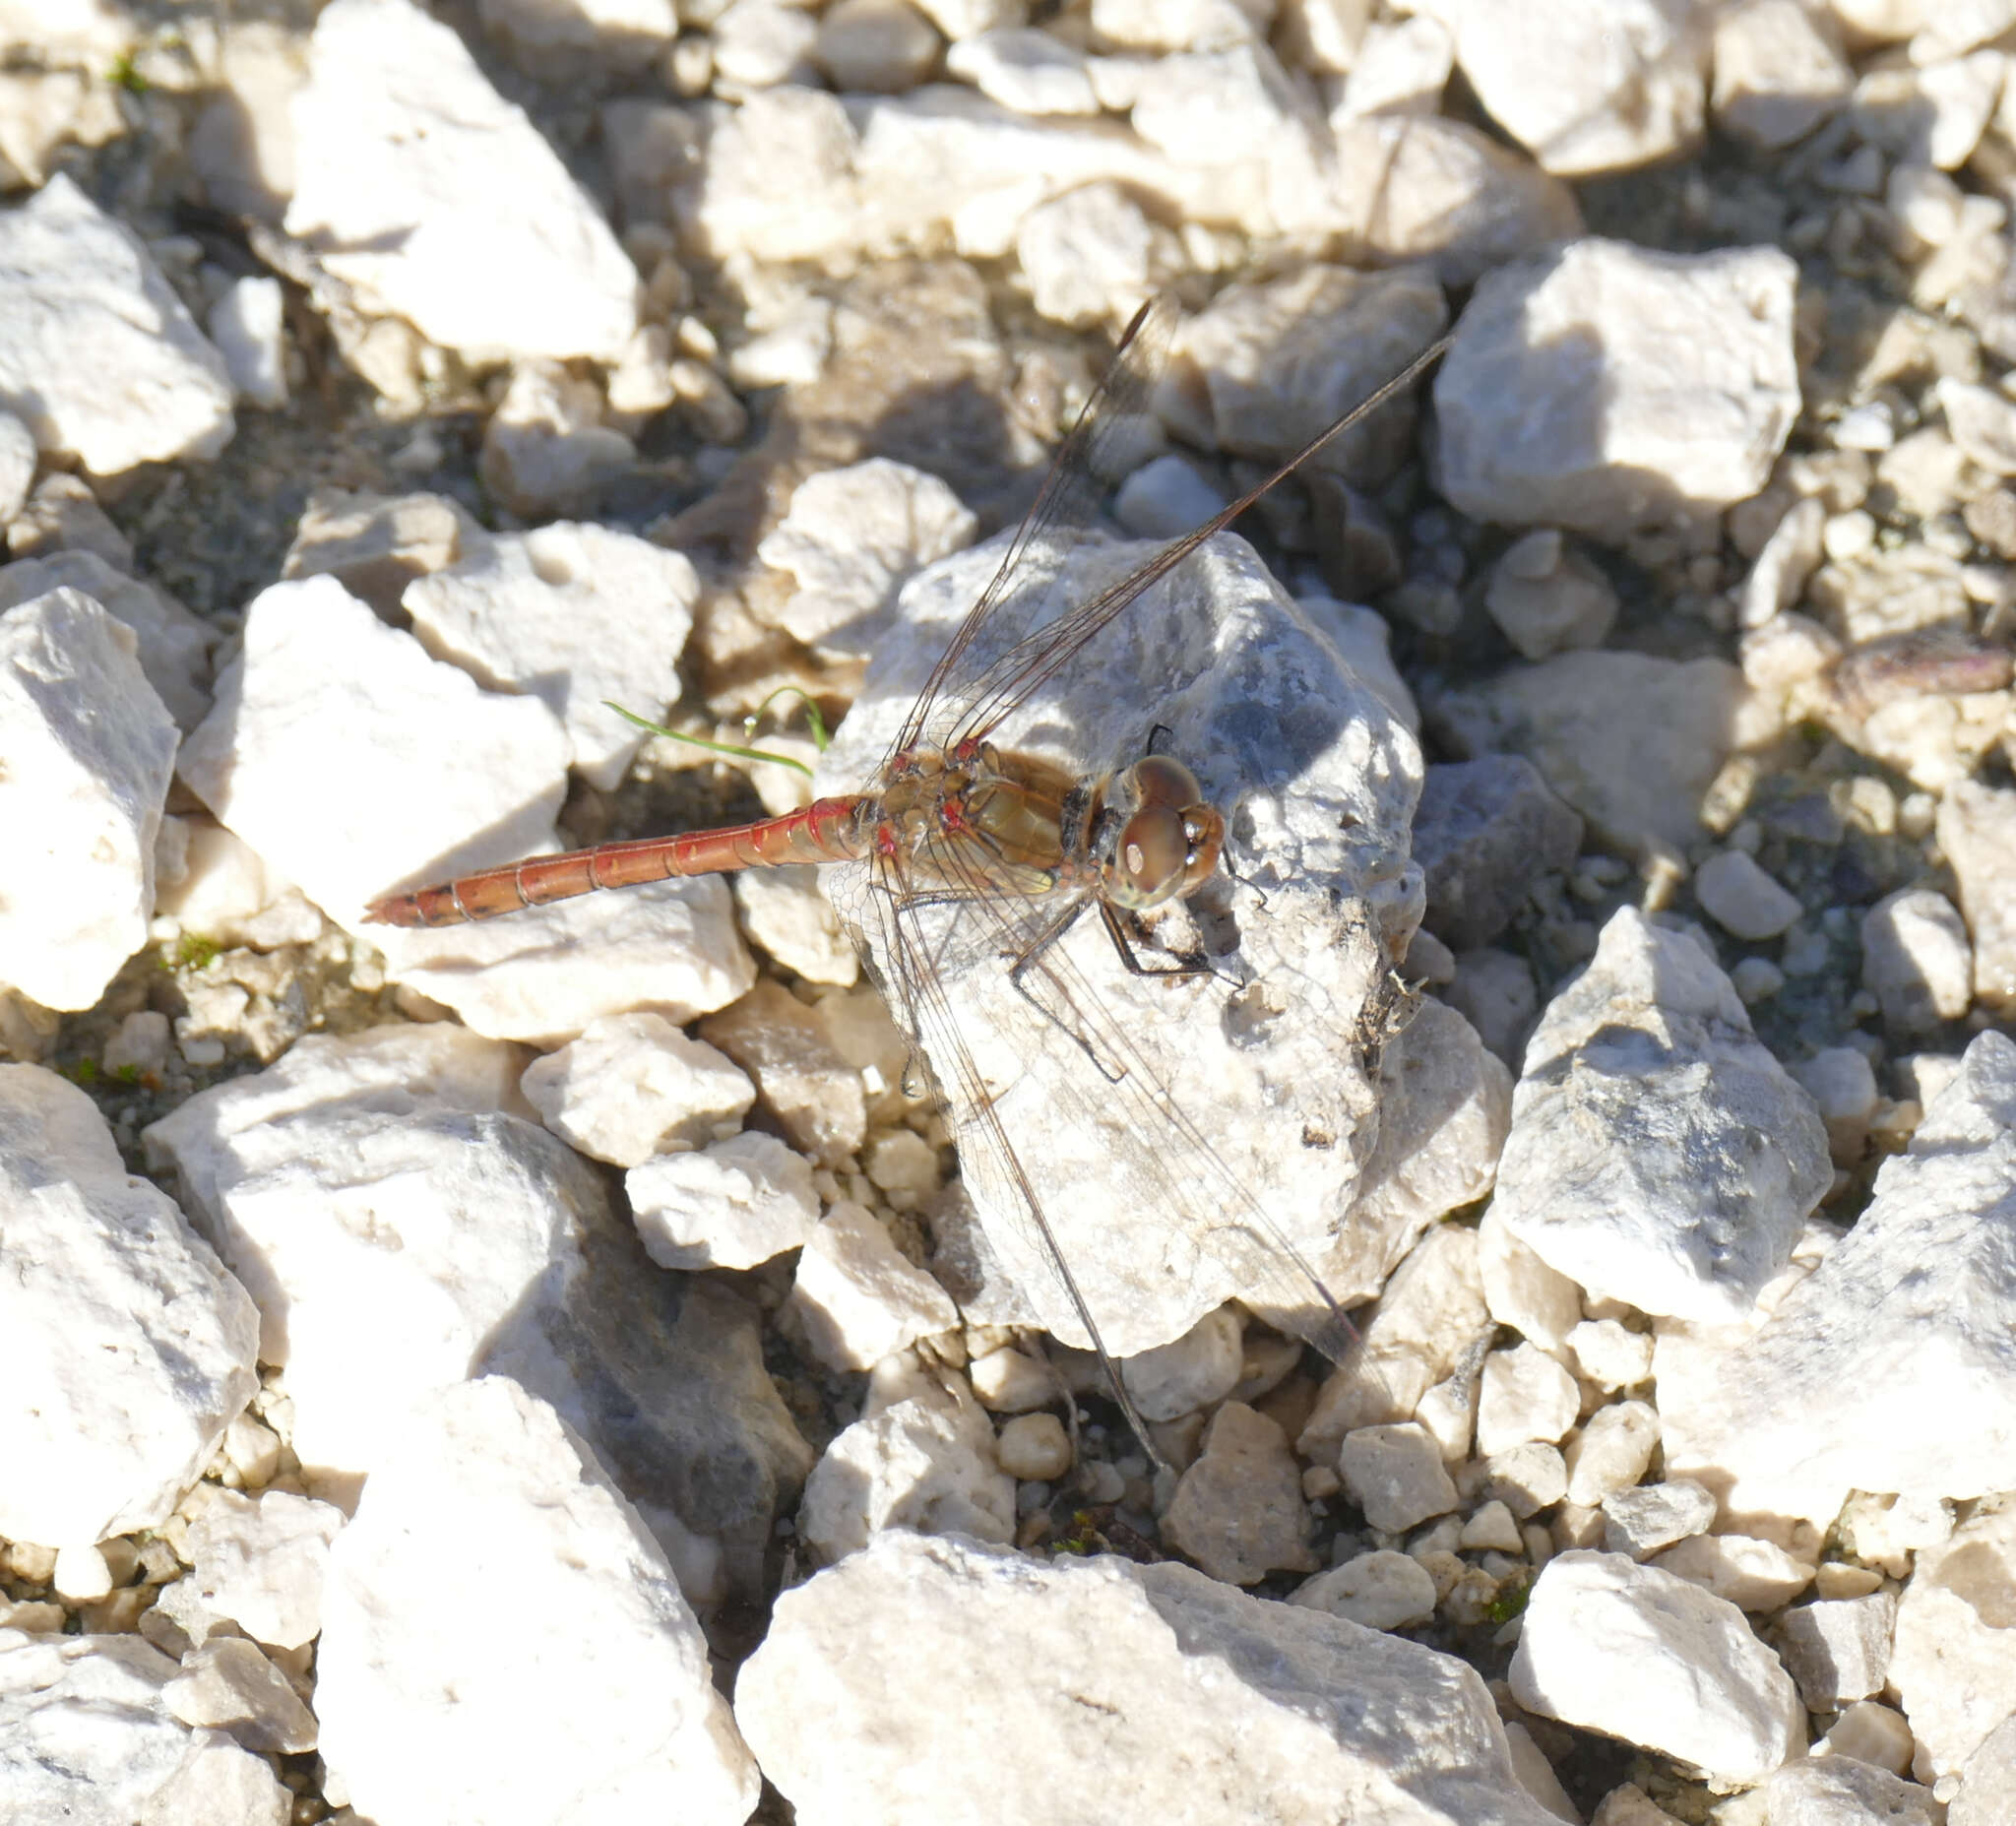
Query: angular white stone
point(1950, 1663)
point(1521, 1290)
point(1189, 1372)
point(1526, 1395)
point(857, 1298)
point(227, 1684)
point(1590, 86)
point(1395, 1475)
point(1637, 1654)
point(1890, 1367)
point(545, 450)
point(1241, 90)
point(1382, 1590)
point(783, 911)
point(1547, 598)
point(209, 881)
point(634, 1084)
point(1843, 1085)
point(1299, 1706)
point(1658, 1154)
point(262, 1561)
point(422, 187)
point(757, 44)
point(1528, 1478)
point(174, 645)
point(852, 536)
point(1916, 960)
point(1089, 255)
point(1603, 386)
point(1753, 1574)
point(352, 762)
point(1740, 898)
point(1778, 71)
point(588, 1693)
point(1790, 557)
point(1838, 1790)
point(737, 1203)
point(1610, 1354)
point(1145, 1229)
point(1976, 829)
point(1165, 499)
point(125, 1349)
point(1400, 69)
point(1640, 1521)
point(90, 752)
point(248, 326)
point(571, 614)
point(1878, 1735)
point(86, 1738)
point(98, 355)
point(1612, 1451)
point(1031, 72)
point(1238, 1510)
point(1839, 1649)
point(927, 1464)
point(1929, 114)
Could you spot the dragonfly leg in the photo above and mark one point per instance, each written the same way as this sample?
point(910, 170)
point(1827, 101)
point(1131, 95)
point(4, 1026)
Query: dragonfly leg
point(1117, 933)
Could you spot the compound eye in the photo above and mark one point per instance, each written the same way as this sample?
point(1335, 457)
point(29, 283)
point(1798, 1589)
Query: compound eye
point(1157, 849)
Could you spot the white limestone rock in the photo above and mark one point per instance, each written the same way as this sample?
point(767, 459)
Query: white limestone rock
point(1090, 256)
point(97, 355)
point(757, 43)
point(261, 1562)
point(1268, 364)
point(209, 881)
point(633, 1085)
point(807, 1073)
point(87, 1737)
point(435, 198)
point(1521, 1290)
point(1444, 193)
point(852, 536)
point(1164, 498)
point(1612, 1451)
point(248, 326)
point(1843, 1085)
point(1190, 1372)
point(17, 466)
point(858, 1298)
point(1526, 1395)
point(1238, 1510)
point(1639, 1522)
point(1931, 113)
point(352, 762)
point(174, 645)
point(1753, 1574)
point(1381, 1590)
point(1658, 1154)
point(1637, 1654)
point(1153, 1232)
point(571, 614)
point(1399, 68)
point(1632, 741)
point(1778, 71)
point(1430, 1315)
point(1838, 1790)
point(549, 36)
point(1838, 1650)
point(735, 1204)
point(1547, 598)
point(1986, 1778)
point(545, 449)
point(1299, 1706)
point(227, 1684)
point(1604, 387)
point(1031, 72)
point(928, 1464)
point(1949, 1661)
point(1916, 960)
point(1239, 89)
point(588, 1694)
point(1976, 829)
point(1741, 898)
point(1396, 1476)
point(125, 1349)
point(783, 911)
point(1592, 85)
point(1888, 1367)
point(90, 752)
point(1789, 559)
point(875, 47)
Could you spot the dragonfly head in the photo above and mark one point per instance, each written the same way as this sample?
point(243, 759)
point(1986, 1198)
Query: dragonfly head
point(1168, 839)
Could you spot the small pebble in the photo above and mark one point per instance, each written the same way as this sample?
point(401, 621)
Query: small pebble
point(1033, 1445)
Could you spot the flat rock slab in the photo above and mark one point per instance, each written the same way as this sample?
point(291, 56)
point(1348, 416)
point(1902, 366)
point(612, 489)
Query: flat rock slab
point(1316, 780)
point(98, 355)
point(125, 1348)
point(90, 753)
point(1189, 1698)
point(1891, 1366)
point(1604, 387)
point(422, 186)
point(586, 1697)
point(1658, 1154)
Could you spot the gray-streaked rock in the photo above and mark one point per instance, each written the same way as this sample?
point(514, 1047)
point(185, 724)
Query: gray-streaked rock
point(1658, 1154)
point(1637, 1654)
point(1301, 1707)
point(1283, 738)
point(1604, 387)
point(1889, 1367)
point(1238, 1510)
point(1838, 1650)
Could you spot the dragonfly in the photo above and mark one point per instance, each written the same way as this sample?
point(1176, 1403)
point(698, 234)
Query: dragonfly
point(972, 855)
